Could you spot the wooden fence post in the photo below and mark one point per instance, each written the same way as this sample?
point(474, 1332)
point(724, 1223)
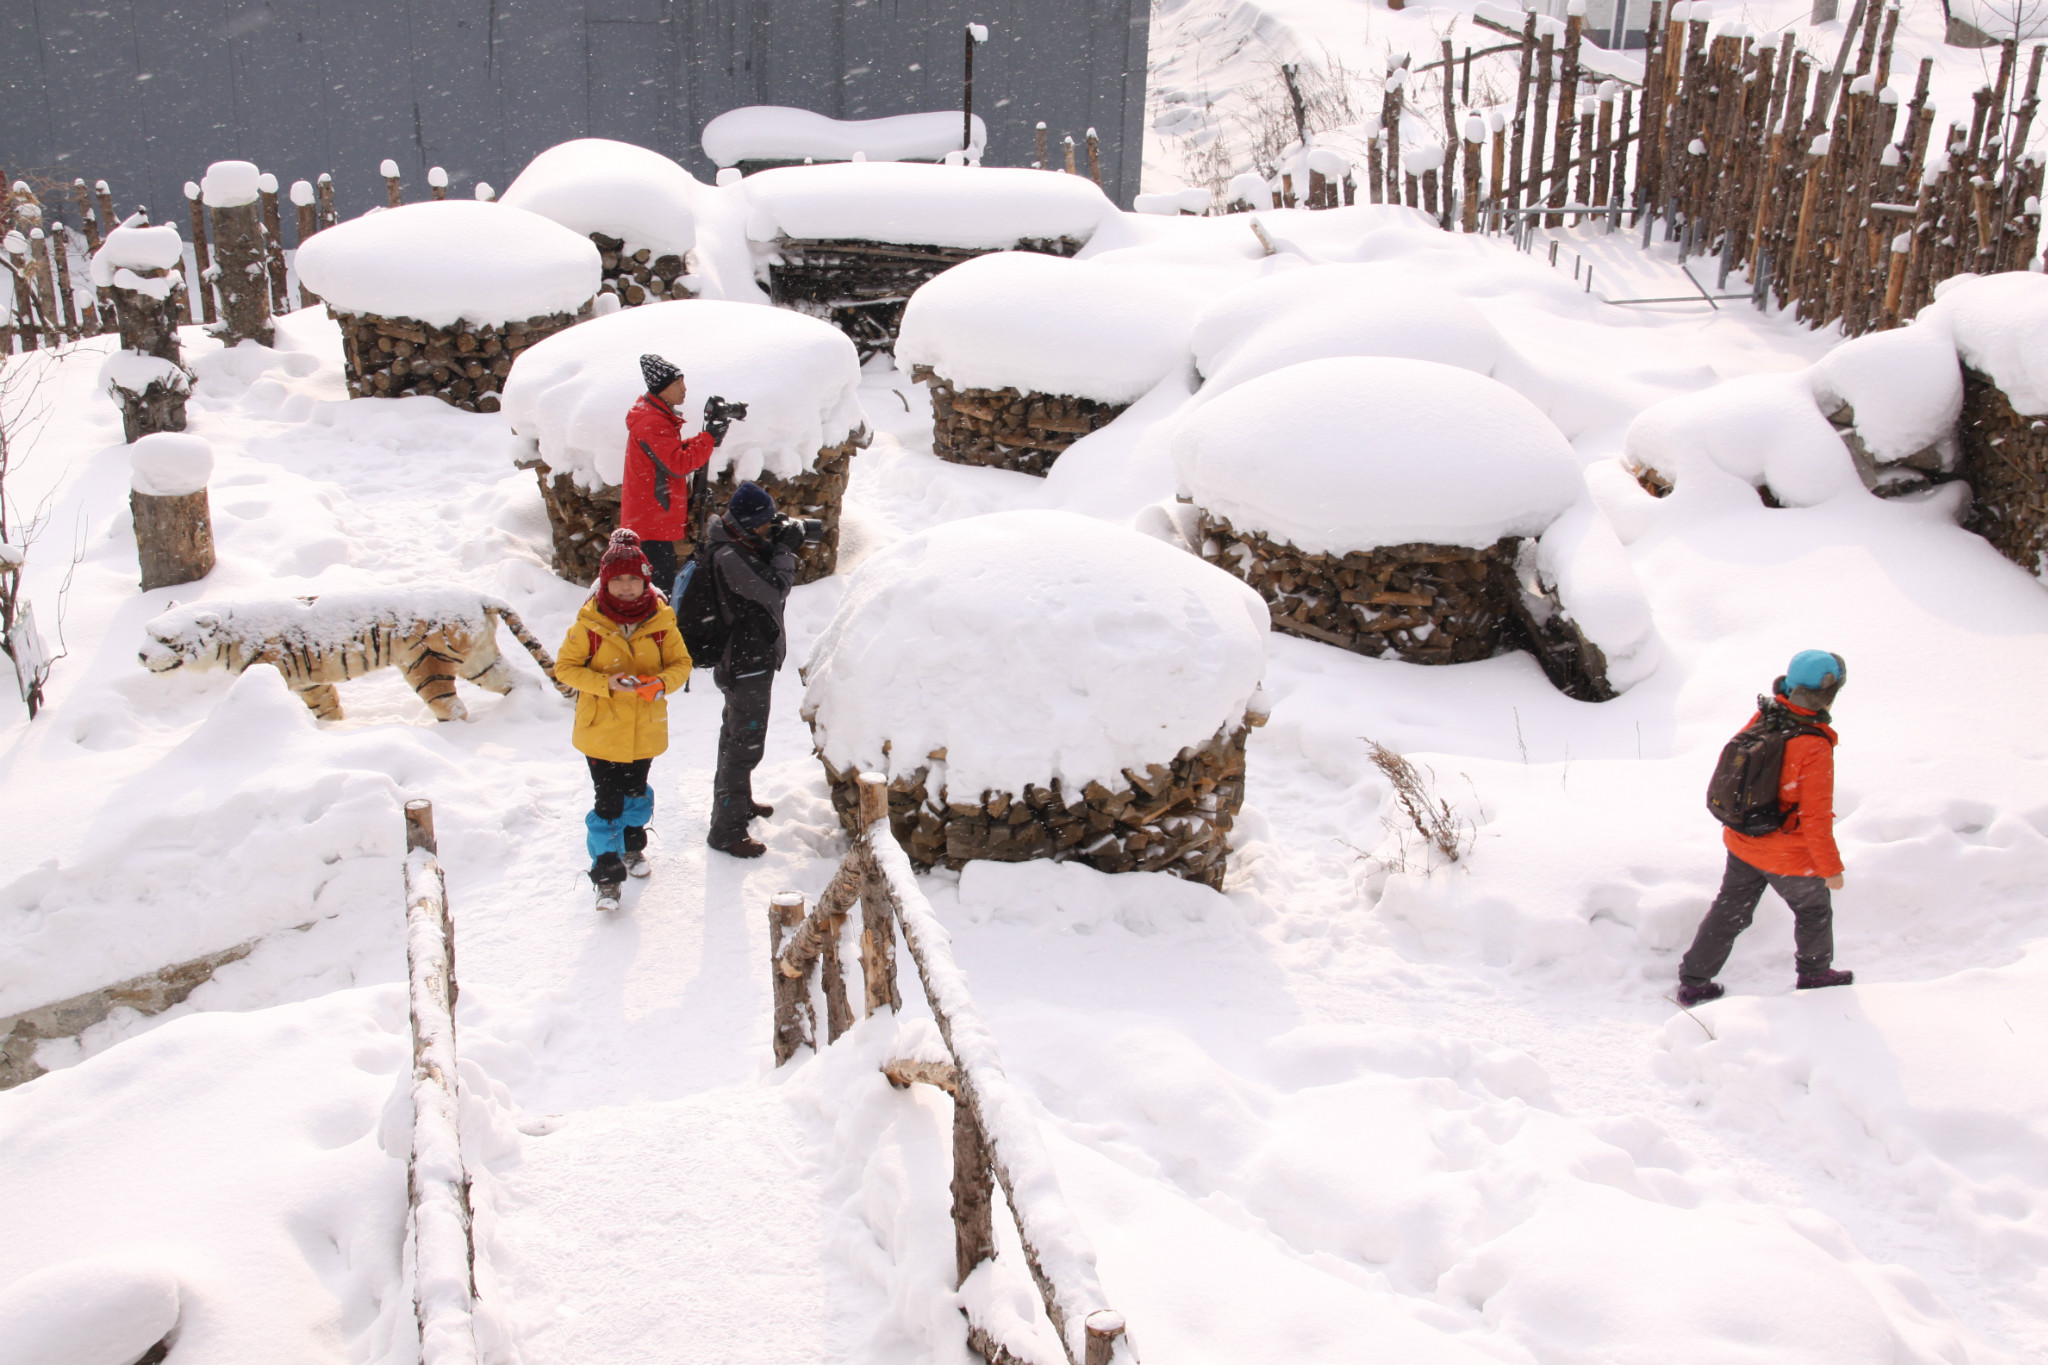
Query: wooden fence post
point(273, 243)
point(1041, 164)
point(1475, 133)
point(878, 920)
point(202, 258)
point(1094, 157)
point(47, 300)
point(242, 271)
point(389, 170)
point(328, 216)
point(793, 1024)
point(1104, 1327)
point(438, 1238)
point(304, 201)
point(437, 182)
point(1067, 144)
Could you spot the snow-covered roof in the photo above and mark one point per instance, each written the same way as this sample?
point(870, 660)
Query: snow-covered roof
point(451, 260)
point(1333, 310)
point(799, 377)
point(912, 203)
point(593, 184)
point(1031, 645)
point(1353, 453)
point(1046, 324)
point(774, 132)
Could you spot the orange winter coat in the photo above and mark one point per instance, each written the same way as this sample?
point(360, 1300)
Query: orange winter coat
point(1805, 846)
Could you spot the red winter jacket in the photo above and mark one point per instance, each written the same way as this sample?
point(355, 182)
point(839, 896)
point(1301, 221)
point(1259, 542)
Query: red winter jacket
point(656, 499)
point(1805, 846)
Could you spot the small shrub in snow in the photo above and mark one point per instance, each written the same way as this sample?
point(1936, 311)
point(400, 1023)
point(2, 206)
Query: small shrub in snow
point(1428, 814)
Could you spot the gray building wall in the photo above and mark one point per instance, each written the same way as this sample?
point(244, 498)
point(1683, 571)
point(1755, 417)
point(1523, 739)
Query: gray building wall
point(145, 93)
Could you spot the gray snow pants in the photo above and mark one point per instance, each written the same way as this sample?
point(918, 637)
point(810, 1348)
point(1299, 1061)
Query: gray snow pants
point(1742, 886)
point(742, 736)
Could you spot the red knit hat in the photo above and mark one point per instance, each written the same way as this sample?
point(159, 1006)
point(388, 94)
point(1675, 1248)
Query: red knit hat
point(624, 556)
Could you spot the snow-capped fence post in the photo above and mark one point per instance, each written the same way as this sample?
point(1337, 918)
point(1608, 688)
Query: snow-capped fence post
point(273, 243)
point(202, 258)
point(309, 223)
point(1094, 157)
point(793, 1025)
point(329, 215)
point(94, 224)
point(241, 267)
point(878, 922)
point(437, 182)
point(167, 497)
point(440, 1253)
point(796, 943)
point(389, 170)
point(48, 301)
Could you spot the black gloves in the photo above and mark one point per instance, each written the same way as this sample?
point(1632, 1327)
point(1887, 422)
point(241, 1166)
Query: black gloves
point(789, 534)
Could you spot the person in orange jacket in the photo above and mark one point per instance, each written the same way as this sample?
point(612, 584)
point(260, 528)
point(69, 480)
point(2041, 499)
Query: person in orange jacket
point(623, 655)
point(1799, 859)
point(654, 500)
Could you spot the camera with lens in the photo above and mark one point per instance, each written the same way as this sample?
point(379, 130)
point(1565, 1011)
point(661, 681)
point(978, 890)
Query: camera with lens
point(795, 532)
point(720, 414)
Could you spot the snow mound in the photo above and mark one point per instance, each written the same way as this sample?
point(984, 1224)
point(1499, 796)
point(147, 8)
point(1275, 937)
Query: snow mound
point(957, 206)
point(799, 378)
point(1046, 324)
point(1352, 453)
point(1030, 645)
point(90, 1311)
point(2000, 327)
point(593, 184)
point(168, 464)
point(1904, 387)
point(1338, 310)
point(452, 260)
point(136, 246)
point(774, 132)
point(1581, 557)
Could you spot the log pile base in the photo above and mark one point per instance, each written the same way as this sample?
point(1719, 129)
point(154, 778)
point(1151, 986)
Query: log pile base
point(639, 277)
point(1172, 817)
point(2005, 459)
point(1005, 428)
point(464, 365)
point(582, 521)
point(1422, 604)
point(861, 287)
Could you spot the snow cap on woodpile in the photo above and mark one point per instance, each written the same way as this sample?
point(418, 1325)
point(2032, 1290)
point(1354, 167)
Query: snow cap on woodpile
point(774, 132)
point(799, 377)
point(1999, 325)
point(593, 184)
point(87, 1311)
point(914, 204)
point(451, 260)
point(1045, 324)
point(1313, 312)
point(1031, 645)
point(1355, 453)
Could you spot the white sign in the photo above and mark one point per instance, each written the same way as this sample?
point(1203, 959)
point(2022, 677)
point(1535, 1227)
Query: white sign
point(31, 655)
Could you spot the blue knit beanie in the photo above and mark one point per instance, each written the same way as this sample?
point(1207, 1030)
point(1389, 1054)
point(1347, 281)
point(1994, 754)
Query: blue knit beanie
point(751, 505)
point(1813, 678)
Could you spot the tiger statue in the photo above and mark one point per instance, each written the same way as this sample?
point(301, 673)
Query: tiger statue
point(433, 637)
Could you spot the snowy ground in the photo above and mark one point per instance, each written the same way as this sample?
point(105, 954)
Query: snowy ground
point(1349, 1110)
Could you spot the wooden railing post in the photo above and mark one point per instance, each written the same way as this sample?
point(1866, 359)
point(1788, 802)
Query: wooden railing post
point(878, 922)
point(793, 1024)
point(442, 1254)
point(974, 1229)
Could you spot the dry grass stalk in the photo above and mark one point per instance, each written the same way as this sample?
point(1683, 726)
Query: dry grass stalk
point(1429, 813)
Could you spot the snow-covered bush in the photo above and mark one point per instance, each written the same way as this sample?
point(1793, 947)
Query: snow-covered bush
point(567, 400)
point(1014, 673)
point(1008, 338)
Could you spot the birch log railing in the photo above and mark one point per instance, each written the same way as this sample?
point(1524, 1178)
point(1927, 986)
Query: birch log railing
point(438, 1247)
point(995, 1138)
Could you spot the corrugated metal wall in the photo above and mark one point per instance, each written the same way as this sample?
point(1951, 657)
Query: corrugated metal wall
point(144, 93)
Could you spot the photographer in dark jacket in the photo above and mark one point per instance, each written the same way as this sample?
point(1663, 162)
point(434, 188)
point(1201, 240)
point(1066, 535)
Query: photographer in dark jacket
point(753, 562)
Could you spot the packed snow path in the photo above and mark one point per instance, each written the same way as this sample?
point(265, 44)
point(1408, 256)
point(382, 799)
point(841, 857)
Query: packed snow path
point(1347, 1111)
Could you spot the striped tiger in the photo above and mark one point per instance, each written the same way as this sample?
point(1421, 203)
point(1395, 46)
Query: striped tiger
point(433, 637)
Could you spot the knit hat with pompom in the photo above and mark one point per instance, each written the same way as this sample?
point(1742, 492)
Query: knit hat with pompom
point(624, 557)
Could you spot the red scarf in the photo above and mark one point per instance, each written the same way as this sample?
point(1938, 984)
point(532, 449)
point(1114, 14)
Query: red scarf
point(632, 613)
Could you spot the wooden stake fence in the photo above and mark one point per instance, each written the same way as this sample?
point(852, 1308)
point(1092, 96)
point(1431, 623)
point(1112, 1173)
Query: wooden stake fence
point(995, 1138)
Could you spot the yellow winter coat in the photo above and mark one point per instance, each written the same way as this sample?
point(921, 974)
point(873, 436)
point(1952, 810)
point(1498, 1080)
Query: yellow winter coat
point(619, 726)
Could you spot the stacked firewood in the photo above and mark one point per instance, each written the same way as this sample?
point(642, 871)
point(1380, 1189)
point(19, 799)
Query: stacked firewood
point(464, 365)
point(1005, 427)
point(2005, 458)
point(582, 521)
point(1427, 604)
point(1171, 817)
point(861, 287)
point(639, 276)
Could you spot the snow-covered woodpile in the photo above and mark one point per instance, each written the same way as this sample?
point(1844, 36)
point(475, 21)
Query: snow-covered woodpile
point(851, 242)
point(2006, 462)
point(1105, 724)
point(567, 399)
point(1387, 506)
point(635, 205)
point(440, 298)
point(1025, 353)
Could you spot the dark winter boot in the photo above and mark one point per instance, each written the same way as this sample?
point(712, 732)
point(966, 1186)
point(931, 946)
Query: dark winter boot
point(742, 847)
point(1822, 977)
point(762, 811)
point(608, 874)
point(1699, 993)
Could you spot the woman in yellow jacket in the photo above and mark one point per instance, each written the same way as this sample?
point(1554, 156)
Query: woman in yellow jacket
point(623, 656)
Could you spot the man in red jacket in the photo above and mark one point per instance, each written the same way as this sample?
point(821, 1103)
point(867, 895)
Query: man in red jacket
point(655, 501)
point(1798, 860)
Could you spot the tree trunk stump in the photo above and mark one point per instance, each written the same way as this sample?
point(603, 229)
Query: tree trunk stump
point(149, 326)
point(173, 537)
point(241, 261)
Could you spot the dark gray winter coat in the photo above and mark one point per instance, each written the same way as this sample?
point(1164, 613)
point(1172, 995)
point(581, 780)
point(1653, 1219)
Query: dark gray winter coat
point(754, 578)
